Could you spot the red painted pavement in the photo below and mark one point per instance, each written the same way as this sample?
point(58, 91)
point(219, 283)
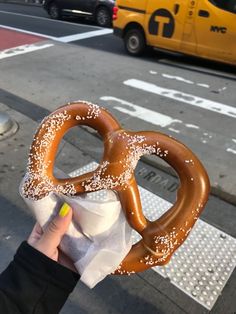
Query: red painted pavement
point(11, 39)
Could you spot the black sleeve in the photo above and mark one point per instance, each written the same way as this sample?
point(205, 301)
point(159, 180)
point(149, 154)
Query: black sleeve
point(33, 283)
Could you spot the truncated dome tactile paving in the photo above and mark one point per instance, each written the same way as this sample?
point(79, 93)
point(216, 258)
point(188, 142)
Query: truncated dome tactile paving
point(202, 265)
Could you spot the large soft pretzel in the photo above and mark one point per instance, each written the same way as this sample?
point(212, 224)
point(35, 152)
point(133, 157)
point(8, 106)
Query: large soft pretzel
point(122, 150)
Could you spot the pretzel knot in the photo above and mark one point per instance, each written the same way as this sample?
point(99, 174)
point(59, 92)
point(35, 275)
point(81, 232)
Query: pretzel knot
point(122, 150)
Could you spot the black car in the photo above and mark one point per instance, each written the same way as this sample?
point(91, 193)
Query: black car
point(99, 10)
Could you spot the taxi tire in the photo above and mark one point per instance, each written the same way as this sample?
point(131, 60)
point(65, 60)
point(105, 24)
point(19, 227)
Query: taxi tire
point(103, 17)
point(134, 40)
point(54, 11)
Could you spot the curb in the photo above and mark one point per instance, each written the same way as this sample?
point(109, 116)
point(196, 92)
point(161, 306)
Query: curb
point(215, 190)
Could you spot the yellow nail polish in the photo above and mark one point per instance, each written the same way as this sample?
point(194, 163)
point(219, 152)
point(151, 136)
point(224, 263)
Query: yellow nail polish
point(64, 210)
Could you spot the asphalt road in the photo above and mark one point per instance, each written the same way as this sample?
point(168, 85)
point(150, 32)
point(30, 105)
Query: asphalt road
point(190, 99)
point(178, 95)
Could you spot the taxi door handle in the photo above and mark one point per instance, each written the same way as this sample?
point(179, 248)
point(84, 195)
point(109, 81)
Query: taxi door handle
point(176, 8)
point(203, 13)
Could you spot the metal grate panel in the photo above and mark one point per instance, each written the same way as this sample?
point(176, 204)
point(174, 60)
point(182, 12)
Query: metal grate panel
point(202, 265)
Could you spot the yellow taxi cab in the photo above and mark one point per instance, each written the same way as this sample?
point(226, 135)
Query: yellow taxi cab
point(203, 28)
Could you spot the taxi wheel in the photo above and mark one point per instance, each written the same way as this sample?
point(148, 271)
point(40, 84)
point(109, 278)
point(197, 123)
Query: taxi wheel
point(135, 43)
point(54, 12)
point(103, 17)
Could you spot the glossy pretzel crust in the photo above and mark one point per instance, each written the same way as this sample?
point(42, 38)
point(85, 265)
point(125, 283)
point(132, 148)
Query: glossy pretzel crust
point(122, 150)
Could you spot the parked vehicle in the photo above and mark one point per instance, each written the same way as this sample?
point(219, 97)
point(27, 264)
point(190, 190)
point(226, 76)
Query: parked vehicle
point(99, 10)
point(203, 28)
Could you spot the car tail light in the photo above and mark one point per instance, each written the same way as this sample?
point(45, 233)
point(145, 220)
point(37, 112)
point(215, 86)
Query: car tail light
point(115, 11)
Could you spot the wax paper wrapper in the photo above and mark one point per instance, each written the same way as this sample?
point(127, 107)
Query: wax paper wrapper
point(98, 238)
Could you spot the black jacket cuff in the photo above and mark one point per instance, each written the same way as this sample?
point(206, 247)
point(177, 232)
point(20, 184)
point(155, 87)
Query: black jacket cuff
point(39, 264)
point(33, 283)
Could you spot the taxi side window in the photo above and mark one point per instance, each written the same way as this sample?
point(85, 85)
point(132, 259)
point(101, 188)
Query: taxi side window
point(229, 5)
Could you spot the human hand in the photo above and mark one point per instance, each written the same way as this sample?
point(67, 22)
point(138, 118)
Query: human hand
point(47, 241)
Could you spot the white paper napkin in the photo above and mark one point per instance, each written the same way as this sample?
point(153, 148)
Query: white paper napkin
point(98, 238)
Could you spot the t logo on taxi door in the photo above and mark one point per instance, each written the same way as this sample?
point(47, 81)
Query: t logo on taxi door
point(162, 23)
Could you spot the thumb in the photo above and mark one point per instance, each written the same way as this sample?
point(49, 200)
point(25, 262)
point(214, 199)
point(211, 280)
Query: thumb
point(54, 232)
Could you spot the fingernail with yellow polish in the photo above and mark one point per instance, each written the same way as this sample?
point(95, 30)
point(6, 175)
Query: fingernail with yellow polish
point(64, 210)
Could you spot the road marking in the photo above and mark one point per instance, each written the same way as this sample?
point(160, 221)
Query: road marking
point(7, 53)
point(65, 39)
point(183, 97)
point(203, 85)
point(180, 79)
point(215, 72)
point(100, 32)
point(153, 72)
point(177, 78)
point(174, 130)
point(230, 150)
point(147, 115)
point(173, 125)
point(193, 126)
